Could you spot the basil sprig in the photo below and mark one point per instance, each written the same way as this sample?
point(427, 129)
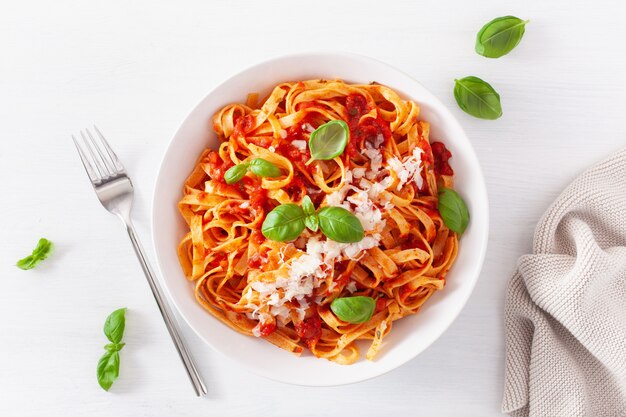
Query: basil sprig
point(258, 166)
point(109, 364)
point(329, 140)
point(41, 252)
point(353, 310)
point(500, 36)
point(453, 210)
point(477, 98)
point(287, 221)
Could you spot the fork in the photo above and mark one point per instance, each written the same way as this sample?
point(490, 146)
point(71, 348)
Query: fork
point(115, 191)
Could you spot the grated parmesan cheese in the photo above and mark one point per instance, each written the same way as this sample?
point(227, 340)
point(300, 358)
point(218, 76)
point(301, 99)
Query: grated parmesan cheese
point(305, 274)
point(408, 170)
point(376, 162)
point(377, 142)
point(352, 251)
point(300, 144)
point(358, 172)
point(355, 250)
point(336, 198)
point(282, 133)
point(366, 210)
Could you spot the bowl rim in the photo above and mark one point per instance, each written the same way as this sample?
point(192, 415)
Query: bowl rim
point(470, 154)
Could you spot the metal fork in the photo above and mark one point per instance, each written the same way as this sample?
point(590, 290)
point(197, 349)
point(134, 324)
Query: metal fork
point(115, 191)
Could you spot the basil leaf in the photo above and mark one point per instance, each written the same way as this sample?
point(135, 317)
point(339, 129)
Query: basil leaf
point(477, 98)
point(108, 369)
point(500, 36)
point(284, 223)
point(453, 210)
point(353, 310)
point(236, 173)
point(307, 206)
point(114, 347)
point(114, 325)
point(264, 168)
point(329, 140)
point(340, 225)
point(312, 222)
point(41, 252)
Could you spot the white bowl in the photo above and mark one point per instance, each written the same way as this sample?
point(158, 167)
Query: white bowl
point(410, 335)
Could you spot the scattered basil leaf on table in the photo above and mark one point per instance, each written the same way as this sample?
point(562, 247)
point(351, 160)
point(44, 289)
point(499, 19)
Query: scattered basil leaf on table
point(41, 252)
point(340, 225)
point(500, 36)
point(108, 368)
point(264, 168)
point(284, 223)
point(453, 210)
point(258, 166)
point(353, 310)
point(114, 325)
point(329, 140)
point(477, 98)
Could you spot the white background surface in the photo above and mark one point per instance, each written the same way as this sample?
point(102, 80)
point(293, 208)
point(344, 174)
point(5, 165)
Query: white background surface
point(138, 67)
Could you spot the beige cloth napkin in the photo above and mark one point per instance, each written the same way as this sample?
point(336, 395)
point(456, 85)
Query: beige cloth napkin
point(565, 314)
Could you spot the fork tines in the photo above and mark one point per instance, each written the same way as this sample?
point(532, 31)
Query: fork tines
point(99, 154)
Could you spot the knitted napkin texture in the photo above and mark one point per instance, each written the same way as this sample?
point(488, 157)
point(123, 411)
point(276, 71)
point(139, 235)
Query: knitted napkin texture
point(565, 313)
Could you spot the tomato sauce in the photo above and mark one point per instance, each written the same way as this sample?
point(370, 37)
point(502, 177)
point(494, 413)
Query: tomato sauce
point(257, 237)
point(266, 329)
point(366, 133)
point(441, 154)
point(381, 304)
point(357, 106)
point(310, 330)
point(217, 167)
point(297, 156)
point(219, 257)
point(255, 193)
point(243, 125)
point(258, 200)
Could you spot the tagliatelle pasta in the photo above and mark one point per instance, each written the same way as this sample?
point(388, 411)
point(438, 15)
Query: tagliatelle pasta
point(388, 176)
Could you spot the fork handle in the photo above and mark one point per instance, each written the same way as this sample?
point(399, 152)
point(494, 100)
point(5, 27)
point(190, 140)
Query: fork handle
point(168, 318)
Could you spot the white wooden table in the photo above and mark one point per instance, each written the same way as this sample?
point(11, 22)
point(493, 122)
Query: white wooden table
point(137, 68)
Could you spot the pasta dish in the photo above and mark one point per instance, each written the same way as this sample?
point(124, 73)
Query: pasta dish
point(319, 220)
